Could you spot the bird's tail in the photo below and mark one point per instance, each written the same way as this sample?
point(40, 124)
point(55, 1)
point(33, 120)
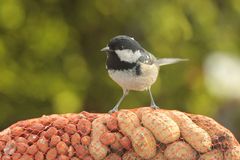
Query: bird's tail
point(166, 61)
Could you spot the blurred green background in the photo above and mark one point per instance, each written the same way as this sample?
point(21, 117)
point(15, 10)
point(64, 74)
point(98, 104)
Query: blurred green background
point(50, 60)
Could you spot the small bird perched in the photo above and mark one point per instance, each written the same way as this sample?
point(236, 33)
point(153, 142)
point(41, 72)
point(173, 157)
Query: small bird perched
point(132, 67)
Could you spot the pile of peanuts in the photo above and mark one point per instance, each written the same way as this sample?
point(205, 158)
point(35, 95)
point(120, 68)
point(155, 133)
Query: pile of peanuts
point(137, 134)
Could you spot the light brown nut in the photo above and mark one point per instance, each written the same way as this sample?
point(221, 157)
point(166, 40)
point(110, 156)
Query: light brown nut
point(63, 157)
point(75, 139)
point(70, 128)
point(142, 110)
point(81, 150)
point(62, 148)
point(17, 131)
point(116, 146)
point(96, 148)
point(131, 155)
point(159, 156)
point(32, 138)
point(6, 157)
point(39, 156)
point(71, 151)
point(126, 143)
point(60, 122)
point(50, 132)
point(21, 139)
point(54, 140)
point(65, 138)
point(232, 153)
point(21, 147)
point(127, 121)
point(88, 158)
point(221, 137)
point(198, 138)
point(84, 126)
point(112, 123)
point(26, 157)
point(10, 147)
point(180, 151)
point(15, 156)
point(51, 154)
point(2, 145)
point(143, 143)
point(113, 156)
point(85, 140)
point(32, 149)
point(36, 127)
point(142, 139)
point(42, 144)
point(212, 155)
point(163, 127)
point(108, 138)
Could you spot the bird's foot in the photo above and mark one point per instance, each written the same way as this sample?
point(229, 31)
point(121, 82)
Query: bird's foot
point(113, 110)
point(154, 106)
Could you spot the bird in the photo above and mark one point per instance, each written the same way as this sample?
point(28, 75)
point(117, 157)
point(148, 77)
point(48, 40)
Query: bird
point(132, 67)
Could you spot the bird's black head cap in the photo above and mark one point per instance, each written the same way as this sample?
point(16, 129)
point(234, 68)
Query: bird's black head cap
point(122, 42)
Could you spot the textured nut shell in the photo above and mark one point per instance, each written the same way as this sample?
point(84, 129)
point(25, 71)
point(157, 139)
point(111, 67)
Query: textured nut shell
point(36, 139)
point(144, 143)
point(130, 155)
point(180, 151)
point(224, 138)
point(113, 156)
point(233, 153)
point(193, 134)
point(96, 148)
point(163, 127)
point(117, 145)
point(212, 155)
point(159, 156)
point(127, 121)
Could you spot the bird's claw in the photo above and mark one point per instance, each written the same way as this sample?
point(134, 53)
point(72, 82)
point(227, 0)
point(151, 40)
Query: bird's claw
point(154, 106)
point(112, 111)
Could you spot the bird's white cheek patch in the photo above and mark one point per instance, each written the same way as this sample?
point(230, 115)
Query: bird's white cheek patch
point(128, 55)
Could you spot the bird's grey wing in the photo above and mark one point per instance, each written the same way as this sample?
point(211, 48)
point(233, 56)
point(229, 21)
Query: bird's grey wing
point(146, 58)
point(166, 61)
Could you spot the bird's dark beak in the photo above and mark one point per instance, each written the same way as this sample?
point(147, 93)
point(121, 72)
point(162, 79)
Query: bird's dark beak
point(105, 49)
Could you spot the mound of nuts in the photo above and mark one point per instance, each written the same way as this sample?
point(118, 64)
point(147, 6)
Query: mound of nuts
point(134, 134)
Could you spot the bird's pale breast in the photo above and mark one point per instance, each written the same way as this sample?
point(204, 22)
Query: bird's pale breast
point(129, 80)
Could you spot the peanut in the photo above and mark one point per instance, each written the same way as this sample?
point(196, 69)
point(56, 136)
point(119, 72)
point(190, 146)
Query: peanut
point(198, 138)
point(159, 156)
point(180, 151)
point(212, 155)
point(163, 128)
point(127, 121)
point(142, 139)
point(96, 148)
point(144, 143)
point(233, 153)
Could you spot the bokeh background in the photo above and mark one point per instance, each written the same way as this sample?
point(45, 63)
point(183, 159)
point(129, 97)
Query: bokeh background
point(50, 60)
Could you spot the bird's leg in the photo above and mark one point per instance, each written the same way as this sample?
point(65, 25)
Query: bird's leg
point(115, 108)
point(153, 104)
